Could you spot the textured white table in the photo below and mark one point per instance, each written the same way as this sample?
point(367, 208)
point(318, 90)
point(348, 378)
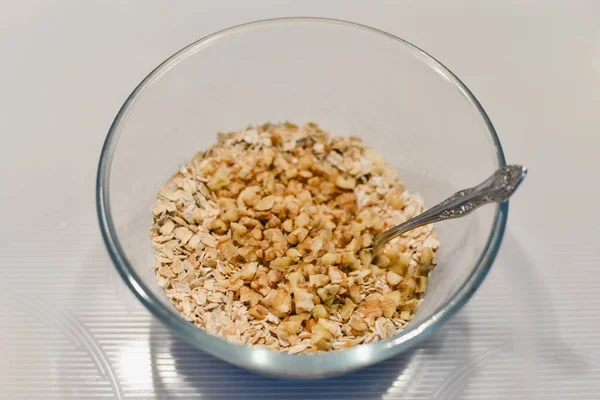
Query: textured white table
point(70, 328)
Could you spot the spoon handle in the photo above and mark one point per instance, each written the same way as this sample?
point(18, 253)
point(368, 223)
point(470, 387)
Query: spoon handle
point(495, 189)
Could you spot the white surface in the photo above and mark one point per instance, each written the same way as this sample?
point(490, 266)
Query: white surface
point(70, 328)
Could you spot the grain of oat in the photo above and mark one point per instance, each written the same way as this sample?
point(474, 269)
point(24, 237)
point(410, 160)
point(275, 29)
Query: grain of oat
point(263, 240)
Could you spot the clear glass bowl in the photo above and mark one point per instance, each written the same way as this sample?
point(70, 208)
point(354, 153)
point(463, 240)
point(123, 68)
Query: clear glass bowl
point(352, 80)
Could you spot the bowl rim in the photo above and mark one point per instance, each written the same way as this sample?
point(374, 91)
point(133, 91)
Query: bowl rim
point(263, 359)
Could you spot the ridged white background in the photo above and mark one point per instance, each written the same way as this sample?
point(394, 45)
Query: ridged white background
point(69, 328)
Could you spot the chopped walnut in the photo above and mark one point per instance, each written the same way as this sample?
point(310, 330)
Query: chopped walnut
point(321, 337)
point(319, 311)
point(303, 300)
point(248, 295)
point(264, 239)
point(279, 302)
point(393, 278)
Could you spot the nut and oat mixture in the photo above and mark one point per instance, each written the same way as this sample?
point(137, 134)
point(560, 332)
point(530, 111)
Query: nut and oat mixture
point(264, 240)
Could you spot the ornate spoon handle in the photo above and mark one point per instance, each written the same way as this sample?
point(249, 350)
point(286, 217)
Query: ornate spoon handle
point(495, 189)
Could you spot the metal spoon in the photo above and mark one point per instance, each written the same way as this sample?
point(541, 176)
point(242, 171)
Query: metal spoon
point(495, 189)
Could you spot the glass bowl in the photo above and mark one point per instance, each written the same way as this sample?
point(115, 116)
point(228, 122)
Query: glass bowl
point(352, 80)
